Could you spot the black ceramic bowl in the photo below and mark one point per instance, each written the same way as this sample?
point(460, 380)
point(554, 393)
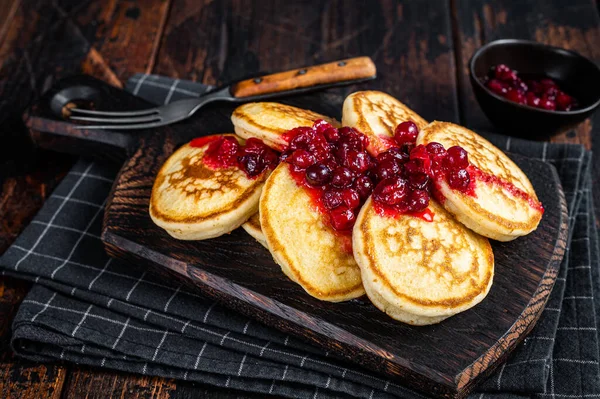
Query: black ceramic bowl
point(575, 74)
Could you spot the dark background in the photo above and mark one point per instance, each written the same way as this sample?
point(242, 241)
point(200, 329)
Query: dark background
point(421, 49)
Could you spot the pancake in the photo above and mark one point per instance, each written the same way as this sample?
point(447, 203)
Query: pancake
point(269, 121)
point(421, 272)
point(308, 250)
point(376, 114)
point(496, 211)
point(194, 202)
point(252, 227)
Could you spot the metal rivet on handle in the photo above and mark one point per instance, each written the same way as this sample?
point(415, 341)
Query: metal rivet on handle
point(302, 72)
point(342, 63)
point(257, 80)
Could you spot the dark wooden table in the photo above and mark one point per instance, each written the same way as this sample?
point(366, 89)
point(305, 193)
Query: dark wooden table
point(421, 49)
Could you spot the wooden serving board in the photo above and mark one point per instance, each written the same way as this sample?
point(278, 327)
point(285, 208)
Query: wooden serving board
point(445, 360)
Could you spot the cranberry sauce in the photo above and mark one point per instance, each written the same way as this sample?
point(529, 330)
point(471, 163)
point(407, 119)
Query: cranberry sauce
point(335, 168)
point(254, 157)
point(333, 165)
point(339, 174)
point(535, 91)
point(202, 141)
point(480, 176)
point(408, 173)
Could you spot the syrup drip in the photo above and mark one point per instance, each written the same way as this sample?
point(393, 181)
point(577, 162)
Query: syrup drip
point(202, 141)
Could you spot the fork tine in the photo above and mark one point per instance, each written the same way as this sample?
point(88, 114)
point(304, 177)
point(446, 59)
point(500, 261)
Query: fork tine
point(114, 113)
point(122, 127)
point(135, 119)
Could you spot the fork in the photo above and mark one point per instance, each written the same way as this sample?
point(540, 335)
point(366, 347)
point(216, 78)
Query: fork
point(294, 81)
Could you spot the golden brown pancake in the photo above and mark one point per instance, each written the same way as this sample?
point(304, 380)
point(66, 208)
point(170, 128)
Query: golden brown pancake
point(421, 272)
point(495, 211)
point(308, 250)
point(252, 227)
point(269, 121)
point(376, 114)
point(192, 201)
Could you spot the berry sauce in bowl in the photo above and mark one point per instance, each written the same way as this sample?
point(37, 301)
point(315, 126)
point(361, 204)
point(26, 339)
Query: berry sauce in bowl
point(533, 90)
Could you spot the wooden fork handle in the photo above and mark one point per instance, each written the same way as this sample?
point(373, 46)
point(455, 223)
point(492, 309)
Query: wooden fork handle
point(333, 72)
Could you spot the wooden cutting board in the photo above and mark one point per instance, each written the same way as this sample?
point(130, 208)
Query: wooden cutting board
point(444, 360)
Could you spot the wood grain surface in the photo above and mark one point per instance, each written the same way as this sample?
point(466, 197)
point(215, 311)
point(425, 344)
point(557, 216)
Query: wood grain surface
point(420, 50)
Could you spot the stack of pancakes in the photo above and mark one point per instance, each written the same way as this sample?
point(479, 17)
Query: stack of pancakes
point(416, 271)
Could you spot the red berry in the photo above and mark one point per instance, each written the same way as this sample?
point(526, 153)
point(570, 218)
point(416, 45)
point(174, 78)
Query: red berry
point(547, 103)
point(418, 181)
point(406, 132)
point(459, 179)
point(497, 86)
point(320, 153)
point(251, 165)
point(504, 73)
point(532, 99)
point(342, 177)
point(500, 69)
point(535, 87)
point(318, 175)
point(302, 159)
point(330, 162)
point(347, 131)
point(393, 153)
point(435, 149)
point(321, 126)
point(351, 198)
point(420, 154)
point(388, 168)
point(563, 101)
point(350, 143)
point(364, 186)
point(516, 96)
point(342, 218)
point(412, 167)
point(551, 92)
point(331, 135)
point(229, 146)
point(390, 191)
point(457, 158)
point(299, 141)
point(357, 161)
point(417, 201)
point(332, 199)
point(270, 158)
point(224, 151)
point(520, 85)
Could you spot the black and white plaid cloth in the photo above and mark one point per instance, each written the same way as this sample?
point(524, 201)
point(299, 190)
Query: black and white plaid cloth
point(89, 309)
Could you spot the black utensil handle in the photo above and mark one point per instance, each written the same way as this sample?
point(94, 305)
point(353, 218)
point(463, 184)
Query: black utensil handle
point(50, 129)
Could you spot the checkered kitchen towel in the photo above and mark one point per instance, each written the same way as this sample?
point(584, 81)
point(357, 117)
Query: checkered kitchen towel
point(89, 309)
